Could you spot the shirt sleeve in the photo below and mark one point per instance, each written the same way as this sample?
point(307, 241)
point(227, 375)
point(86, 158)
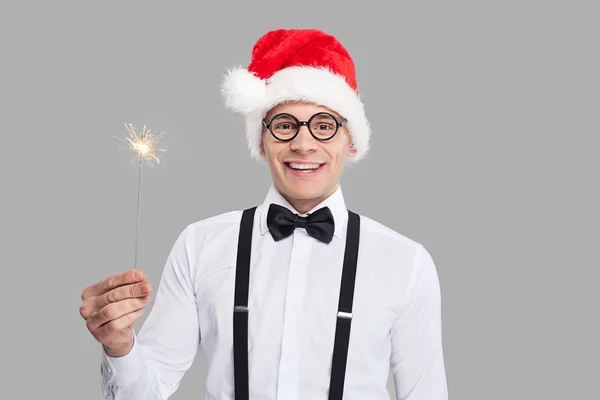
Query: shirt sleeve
point(417, 360)
point(168, 341)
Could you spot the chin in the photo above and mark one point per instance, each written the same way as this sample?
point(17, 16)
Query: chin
point(305, 192)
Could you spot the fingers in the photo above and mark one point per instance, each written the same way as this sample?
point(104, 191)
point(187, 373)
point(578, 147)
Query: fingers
point(115, 311)
point(117, 325)
point(90, 306)
point(111, 282)
point(121, 293)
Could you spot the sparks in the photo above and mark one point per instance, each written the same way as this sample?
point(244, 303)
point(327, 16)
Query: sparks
point(145, 144)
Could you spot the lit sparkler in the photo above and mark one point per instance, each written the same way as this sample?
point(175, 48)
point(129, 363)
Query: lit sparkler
point(145, 145)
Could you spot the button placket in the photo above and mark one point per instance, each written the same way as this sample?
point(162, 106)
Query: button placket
point(296, 287)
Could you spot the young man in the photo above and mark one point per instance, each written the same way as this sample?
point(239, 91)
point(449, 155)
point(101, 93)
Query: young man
point(296, 298)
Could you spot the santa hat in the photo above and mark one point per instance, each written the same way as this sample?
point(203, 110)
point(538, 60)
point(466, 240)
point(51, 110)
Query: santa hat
point(297, 65)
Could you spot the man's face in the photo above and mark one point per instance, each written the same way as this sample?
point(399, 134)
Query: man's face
point(305, 189)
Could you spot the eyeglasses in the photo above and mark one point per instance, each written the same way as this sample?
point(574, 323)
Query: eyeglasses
point(285, 127)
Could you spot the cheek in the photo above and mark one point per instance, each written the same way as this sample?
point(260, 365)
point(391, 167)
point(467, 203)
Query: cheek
point(271, 152)
point(338, 156)
point(267, 148)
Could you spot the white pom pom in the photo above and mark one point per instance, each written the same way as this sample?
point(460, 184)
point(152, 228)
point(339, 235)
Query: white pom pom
point(243, 91)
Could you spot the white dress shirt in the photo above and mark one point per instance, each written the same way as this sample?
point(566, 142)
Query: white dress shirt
point(293, 303)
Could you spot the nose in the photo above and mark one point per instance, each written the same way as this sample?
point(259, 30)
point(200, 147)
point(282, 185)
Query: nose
point(304, 141)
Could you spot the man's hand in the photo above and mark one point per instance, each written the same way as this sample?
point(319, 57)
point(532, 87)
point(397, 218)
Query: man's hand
point(112, 305)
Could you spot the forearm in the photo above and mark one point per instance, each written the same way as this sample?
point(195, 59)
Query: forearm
point(143, 388)
point(128, 376)
point(417, 359)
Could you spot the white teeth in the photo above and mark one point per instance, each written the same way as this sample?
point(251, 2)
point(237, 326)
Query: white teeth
point(304, 166)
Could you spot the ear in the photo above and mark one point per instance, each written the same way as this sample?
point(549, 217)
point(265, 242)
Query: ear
point(351, 148)
point(262, 146)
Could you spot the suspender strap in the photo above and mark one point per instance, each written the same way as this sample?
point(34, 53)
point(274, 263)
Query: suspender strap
point(240, 314)
point(344, 317)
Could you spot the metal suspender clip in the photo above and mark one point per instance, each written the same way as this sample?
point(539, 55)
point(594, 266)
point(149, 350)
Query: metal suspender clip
point(343, 314)
point(241, 309)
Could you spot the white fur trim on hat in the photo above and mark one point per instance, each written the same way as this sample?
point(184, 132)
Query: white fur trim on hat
point(246, 93)
point(243, 91)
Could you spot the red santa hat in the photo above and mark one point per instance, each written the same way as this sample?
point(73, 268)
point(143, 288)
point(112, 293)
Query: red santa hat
point(297, 65)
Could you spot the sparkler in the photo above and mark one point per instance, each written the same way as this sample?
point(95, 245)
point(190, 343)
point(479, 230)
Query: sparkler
point(146, 146)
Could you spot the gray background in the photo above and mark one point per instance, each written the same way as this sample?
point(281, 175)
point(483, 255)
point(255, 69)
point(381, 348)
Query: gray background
point(485, 149)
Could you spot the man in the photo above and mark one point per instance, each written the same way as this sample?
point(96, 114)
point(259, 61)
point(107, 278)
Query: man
point(298, 297)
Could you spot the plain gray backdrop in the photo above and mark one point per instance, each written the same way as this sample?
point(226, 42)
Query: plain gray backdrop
point(485, 123)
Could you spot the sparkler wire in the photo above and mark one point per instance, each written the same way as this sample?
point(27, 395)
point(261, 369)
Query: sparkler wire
point(137, 229)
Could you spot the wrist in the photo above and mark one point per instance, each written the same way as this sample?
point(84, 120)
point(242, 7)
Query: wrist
point(119, 351)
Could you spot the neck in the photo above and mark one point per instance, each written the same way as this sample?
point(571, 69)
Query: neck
point(305, 205)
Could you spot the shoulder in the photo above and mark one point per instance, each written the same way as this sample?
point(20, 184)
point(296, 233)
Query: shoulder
point(211, 241)
point(215, 224)
point(383, 235)
point(402, 263)
point(391, 249)
point(216, 221)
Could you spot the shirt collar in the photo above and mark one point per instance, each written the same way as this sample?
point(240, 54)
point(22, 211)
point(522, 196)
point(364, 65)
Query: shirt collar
point(335, 202)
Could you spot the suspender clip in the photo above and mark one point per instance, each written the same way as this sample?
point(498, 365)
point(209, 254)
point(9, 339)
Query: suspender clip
point(241, 309)
point(343, 314)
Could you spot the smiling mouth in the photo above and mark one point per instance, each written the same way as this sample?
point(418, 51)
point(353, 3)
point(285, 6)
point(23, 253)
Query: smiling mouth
point(304, 168)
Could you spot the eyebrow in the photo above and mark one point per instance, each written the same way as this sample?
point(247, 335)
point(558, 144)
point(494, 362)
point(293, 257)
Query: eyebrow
point(323, 116)
point(270, 115)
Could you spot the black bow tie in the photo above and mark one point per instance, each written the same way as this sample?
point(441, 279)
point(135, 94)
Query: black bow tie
point(282, 223)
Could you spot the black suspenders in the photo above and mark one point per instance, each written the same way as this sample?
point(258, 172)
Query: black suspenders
point(344, 316)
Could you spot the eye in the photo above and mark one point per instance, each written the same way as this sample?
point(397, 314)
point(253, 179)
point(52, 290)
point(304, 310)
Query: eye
point(324, 127)
point(323, 123)
point(284, 126)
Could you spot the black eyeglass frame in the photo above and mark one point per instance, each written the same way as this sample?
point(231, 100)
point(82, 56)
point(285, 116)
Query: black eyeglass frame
point(307, 123)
